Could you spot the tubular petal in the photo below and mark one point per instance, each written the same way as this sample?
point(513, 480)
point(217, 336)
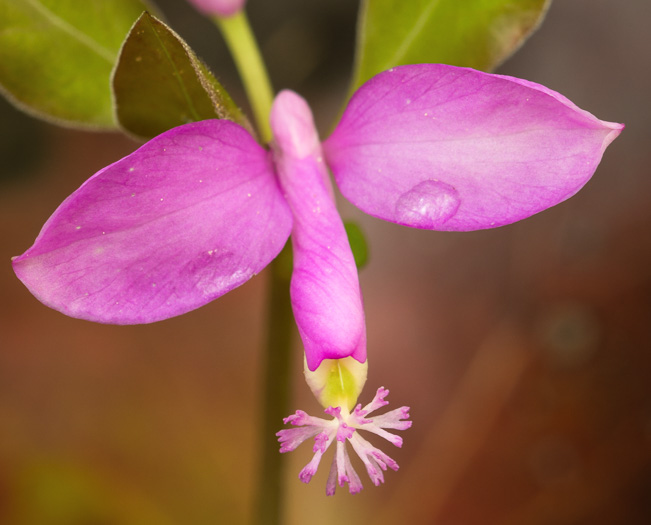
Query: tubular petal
point(446, 148)
point(187, 217)
point(325, 292)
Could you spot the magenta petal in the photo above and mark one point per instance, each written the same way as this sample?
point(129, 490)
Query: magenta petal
point(189, 216)
point(325, 288)
point(446, 148)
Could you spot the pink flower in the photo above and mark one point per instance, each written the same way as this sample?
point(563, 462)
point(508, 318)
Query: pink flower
point(202, 208)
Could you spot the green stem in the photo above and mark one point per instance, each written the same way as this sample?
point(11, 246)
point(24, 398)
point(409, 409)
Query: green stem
point(248, 60)
point(277, 369)
point(276, 392)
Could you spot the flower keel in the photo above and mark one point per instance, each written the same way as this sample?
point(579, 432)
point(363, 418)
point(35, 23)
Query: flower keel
point(325, 291)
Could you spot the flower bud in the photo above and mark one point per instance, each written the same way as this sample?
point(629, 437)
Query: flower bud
point(221, 8)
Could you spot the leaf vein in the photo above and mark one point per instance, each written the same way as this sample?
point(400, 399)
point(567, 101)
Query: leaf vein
point(73, 32)
point(413, 33)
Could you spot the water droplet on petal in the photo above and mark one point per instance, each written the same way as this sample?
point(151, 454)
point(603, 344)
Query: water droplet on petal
point(427, 205)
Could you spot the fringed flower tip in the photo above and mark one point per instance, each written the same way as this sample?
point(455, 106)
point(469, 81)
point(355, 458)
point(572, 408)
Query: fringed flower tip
point(343, 427)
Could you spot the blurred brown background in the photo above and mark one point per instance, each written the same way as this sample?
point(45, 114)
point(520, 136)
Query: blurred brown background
point(524, 352)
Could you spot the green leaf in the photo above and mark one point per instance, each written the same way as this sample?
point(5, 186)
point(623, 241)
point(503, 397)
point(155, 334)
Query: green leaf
point(56, 56)
point(472, 33)
point(159, 83)
point(358, 243)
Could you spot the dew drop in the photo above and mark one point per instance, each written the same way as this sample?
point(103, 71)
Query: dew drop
point(428, 205)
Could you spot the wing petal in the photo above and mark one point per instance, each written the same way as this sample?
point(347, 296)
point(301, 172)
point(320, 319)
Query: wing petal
point(187, 217)
point(446, 148)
